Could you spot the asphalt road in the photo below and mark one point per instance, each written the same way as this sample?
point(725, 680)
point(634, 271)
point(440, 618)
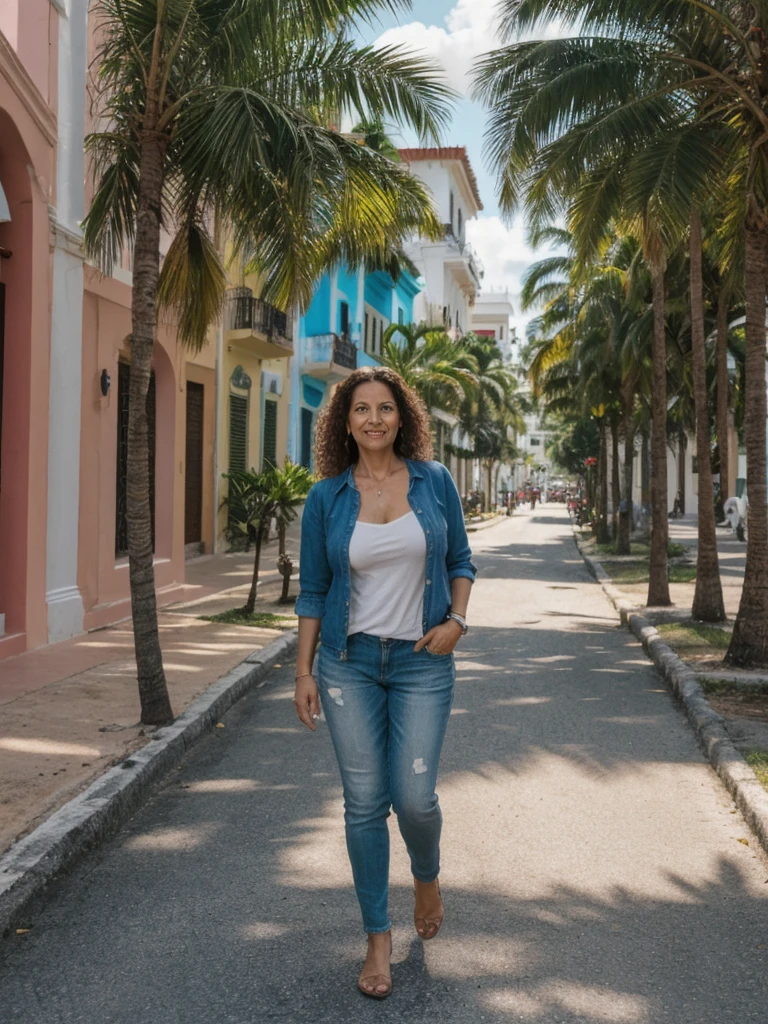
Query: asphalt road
point(593, 868)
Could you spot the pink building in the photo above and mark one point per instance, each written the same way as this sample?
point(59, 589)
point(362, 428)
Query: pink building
point(65, 363)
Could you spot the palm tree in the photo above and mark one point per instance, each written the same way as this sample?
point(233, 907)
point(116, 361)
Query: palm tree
point(491, 414)
point(209, 110)
point(376, 137)
point(430, 362)
point(290, 487)
point(708, 605)
point(669, 64)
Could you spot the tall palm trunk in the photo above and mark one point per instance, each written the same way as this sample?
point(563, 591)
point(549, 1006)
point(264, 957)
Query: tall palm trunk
point(749, 643)
point(615, 477)
point(603, 536)
point(708, 596)
point(682, 452)
point(624, 545)
point(658, 586)
point(722, 398)
point(153, 690)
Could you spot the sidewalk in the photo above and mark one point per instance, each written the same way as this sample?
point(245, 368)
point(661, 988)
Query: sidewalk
point(687, 651)
point(732, 554)
point(71, 710)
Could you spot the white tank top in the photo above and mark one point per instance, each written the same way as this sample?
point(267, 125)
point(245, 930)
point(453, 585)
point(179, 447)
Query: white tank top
point(388, 569)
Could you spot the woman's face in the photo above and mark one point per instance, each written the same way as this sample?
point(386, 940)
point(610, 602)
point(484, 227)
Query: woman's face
point(374, 418)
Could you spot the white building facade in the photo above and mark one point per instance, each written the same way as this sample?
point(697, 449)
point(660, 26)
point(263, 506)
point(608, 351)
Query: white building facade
point(491, 316)
point(450, 269)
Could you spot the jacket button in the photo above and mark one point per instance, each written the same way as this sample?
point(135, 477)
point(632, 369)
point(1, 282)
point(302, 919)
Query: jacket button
point(418, 510)
point(427, 531)
point(429, 583)
point(347, 603)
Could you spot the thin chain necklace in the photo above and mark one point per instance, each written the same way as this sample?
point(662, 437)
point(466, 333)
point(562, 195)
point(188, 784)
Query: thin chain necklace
point(390, 472)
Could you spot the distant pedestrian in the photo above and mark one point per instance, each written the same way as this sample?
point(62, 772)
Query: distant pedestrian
point(386, 574)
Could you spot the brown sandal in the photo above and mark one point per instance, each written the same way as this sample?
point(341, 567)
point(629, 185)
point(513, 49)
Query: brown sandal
point(428, 927)
point(376, 979)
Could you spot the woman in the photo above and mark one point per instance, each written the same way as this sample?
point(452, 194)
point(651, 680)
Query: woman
point(385, 577)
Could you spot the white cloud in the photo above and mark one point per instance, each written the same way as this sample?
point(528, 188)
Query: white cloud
point(505, 255)
point(470, 29)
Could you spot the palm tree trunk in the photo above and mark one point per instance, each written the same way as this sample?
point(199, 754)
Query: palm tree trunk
point(658, 585)
point(624, 544)
point(285, 564)
point(153, 690)
point(722, 399)
point(749, 643)
point(603, 536)
point(682, 451)
point(250, 604)
point(615, 477)
point(708, 596)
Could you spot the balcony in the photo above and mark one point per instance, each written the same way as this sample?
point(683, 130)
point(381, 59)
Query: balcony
point(462, 261)
point(329, 357)
point(256, 326)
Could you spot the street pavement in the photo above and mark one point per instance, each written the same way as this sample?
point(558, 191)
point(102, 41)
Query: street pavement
point(594, 868)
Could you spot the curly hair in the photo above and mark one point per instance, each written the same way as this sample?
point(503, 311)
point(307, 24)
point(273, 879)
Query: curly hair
point(336, 449)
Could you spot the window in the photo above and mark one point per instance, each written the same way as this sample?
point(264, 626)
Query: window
point(458, 224)
point(450, 210)
point(269, 435)
point(344, 318)
point(365, 334)
point(306, 437)
point(400, 315)
point(501, 333)
point(535, 442)
point(238, 433)
point(373, 334)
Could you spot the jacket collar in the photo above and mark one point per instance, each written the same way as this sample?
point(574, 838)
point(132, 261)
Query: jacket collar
point(347, 478)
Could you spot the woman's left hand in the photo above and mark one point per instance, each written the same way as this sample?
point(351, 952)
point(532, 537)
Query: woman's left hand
point(441, 639)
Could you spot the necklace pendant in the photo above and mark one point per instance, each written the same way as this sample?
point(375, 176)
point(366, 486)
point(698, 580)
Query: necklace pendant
point(378, 493)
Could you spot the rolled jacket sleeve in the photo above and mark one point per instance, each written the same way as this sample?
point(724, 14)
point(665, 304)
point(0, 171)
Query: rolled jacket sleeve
point(459, 556)
point(315, 574)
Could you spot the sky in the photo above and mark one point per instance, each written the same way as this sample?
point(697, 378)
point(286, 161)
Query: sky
point(455, 32)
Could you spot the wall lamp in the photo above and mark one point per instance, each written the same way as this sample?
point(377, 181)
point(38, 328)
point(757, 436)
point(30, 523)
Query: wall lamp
point(106, 380)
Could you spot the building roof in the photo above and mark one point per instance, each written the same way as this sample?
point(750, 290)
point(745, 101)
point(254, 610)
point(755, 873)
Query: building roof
point(458, 153)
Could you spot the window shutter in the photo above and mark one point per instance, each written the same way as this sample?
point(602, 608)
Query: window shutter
point(270, 434)
point(238, 433)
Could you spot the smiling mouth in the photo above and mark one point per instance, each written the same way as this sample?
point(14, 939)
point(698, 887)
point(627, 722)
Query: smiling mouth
point(374, 433)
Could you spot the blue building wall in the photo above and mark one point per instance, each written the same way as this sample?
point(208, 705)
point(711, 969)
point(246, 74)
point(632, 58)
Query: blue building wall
point(394, 301)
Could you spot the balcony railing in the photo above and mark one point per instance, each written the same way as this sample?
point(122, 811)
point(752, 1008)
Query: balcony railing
point(247, 313)
point(466, 250)
point(330, 348)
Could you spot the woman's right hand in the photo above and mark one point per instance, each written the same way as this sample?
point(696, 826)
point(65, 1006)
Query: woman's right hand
point(306, 701)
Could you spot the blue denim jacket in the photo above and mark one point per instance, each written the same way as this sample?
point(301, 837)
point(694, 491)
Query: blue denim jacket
point(329, 520)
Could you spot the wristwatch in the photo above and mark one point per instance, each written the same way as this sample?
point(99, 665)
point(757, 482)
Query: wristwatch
point(461, 621)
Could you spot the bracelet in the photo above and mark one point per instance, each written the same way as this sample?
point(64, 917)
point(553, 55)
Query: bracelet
point(303, 675)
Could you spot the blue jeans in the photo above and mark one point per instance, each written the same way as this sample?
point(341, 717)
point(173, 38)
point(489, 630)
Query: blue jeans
point(387, 709)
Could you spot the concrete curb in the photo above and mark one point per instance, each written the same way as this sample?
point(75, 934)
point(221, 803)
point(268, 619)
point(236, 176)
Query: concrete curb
point(476, 527)
point(748, 794)
point(32, 862)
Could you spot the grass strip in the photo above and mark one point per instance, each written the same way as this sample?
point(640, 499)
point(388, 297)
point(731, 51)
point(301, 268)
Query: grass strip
point(637, 548)
point(261, 620)
point(688, 635)
point(757, 760)
point(639, 572)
